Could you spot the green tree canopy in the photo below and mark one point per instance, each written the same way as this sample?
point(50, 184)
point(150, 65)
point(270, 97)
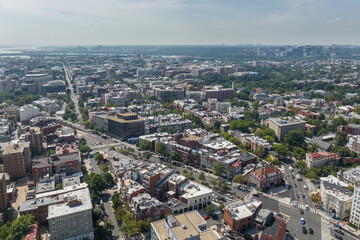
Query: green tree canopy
point(294, 138)
point(144, 145)
point(15, 229)
point(174, 156)
point(219, 169)
point(239, 178)
point(160, 148)
point(340, 139)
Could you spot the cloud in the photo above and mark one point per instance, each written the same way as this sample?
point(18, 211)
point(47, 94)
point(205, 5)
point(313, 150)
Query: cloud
point(334, 20)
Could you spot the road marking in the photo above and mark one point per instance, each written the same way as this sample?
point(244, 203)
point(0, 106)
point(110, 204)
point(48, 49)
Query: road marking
point(285, 215)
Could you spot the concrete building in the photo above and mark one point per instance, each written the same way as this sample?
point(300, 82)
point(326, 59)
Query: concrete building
point(336, 197)
point(6, 85)
point(355, 208)
point(126, 125)
point(282, 127)
point(218, 92)
point(240, 215)
point(38, 79)
point(73, 217)
point(3, 193)
point(35, 137)
point(54, 86)
point(319, 159)
point(195, 195)
point(28, 111)
point(354, 144)
point(164, 94)
point(185, 226)
point(351, 176)
point(17, 159)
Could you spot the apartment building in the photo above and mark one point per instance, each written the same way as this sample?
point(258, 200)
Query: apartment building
point(319, 159)
point(240, 215)
point(355, 208)
point(17, 159)
point(3, 193)
point(35, 137)
point(144, 206)
point(195, 195)
point(351, 176)
point(126, 125)
point(73, 217)
point(27, 112)
point(282, 126)
point(336, 197)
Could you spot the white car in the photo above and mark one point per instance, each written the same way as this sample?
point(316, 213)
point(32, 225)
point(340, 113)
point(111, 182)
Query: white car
point(295, 203)
point(307, 207)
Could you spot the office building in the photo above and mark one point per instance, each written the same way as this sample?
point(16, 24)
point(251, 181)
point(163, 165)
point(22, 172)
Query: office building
point(282, 127)
point(126, 125)
point(27, 112)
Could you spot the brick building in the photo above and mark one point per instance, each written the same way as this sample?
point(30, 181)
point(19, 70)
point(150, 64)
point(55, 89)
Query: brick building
point(266, 177)
point(144, 206)
point(3, 193)
point(240, 215)
point(35, 137)
point(17, 159)
point(65, 164)
point(218, 92)
point(126, 125)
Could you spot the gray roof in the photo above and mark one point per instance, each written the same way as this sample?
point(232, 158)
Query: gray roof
point(321, 144)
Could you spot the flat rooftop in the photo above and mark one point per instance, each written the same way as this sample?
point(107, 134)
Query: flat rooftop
point(15, 148)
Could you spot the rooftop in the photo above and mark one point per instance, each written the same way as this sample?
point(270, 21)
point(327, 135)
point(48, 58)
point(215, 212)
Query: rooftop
point(15, 148)
point(240, 209)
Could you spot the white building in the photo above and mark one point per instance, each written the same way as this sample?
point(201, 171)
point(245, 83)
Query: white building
point(196, 195)
point(28, 111)
point(336, 197)
point(355, 208)
point(72, 219)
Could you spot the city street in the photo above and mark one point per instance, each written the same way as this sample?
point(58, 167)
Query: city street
point(73, 96)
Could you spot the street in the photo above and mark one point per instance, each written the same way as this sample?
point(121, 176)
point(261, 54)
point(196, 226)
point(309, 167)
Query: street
point(73, 96)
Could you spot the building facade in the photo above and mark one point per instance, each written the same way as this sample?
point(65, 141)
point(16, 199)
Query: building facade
point(17, 159)
point(126, 125)
point(282, 127)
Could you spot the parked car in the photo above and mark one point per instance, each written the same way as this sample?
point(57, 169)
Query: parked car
point(337, 225)
point(339, 231)
point(302, 221)
point(304, 230)
point(206, 217)
point(279, 215)
point(311, 231)
point(338, 236)
point(301, 211)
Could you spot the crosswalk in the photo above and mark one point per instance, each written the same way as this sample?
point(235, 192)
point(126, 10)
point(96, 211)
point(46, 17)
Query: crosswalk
point(302, 206)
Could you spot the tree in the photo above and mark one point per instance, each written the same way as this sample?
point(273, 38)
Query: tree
point(99, 157)
point(221, 206)
point(321, 116)
point(239, 178)
point(351, 188)
point(301, 165)
point(281, 149)
point(82, 141)
point(58, 186)
point(209, 209)
point(112, 148)
point(201, 176)
point(50, 152)
point(315, 197)
point(340, 139)
point(52, 112)
point(270, 139)
point(294, 138)
point(312, 175)
point(85, 149)
point(219, 169)
point(104, 168)
point(309, 134)
point(144, 145)
point(108, 178)
point(174, 156)
point(160, 148)
point(16, 229)
point(213, 181)
point(95, 182)
point(299, 153)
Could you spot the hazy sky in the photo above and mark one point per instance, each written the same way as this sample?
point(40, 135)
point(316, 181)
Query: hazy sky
point(119, 22)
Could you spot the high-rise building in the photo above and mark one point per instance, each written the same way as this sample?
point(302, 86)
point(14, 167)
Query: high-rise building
point(35, 137)
point(3, 193)
point(17, 159)
point(355, 208)
point(126, 125)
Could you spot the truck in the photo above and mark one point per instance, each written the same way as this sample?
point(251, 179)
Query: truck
point(298, 177)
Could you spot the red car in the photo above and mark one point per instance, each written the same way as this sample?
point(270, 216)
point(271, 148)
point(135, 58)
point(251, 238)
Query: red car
point(206, 217)
point(301, 211)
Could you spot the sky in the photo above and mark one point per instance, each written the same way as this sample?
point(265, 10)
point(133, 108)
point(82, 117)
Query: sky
point(179, 22)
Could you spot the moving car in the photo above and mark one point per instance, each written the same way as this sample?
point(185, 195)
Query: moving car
point(301, 211)
point(295, 203)
point(206, 217)
point(295, 185)
point(307, 207)
point(304, 230)
point(302, 221)
point(311, 231)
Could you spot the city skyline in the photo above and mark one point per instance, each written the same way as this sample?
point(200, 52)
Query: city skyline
point(178, 22)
